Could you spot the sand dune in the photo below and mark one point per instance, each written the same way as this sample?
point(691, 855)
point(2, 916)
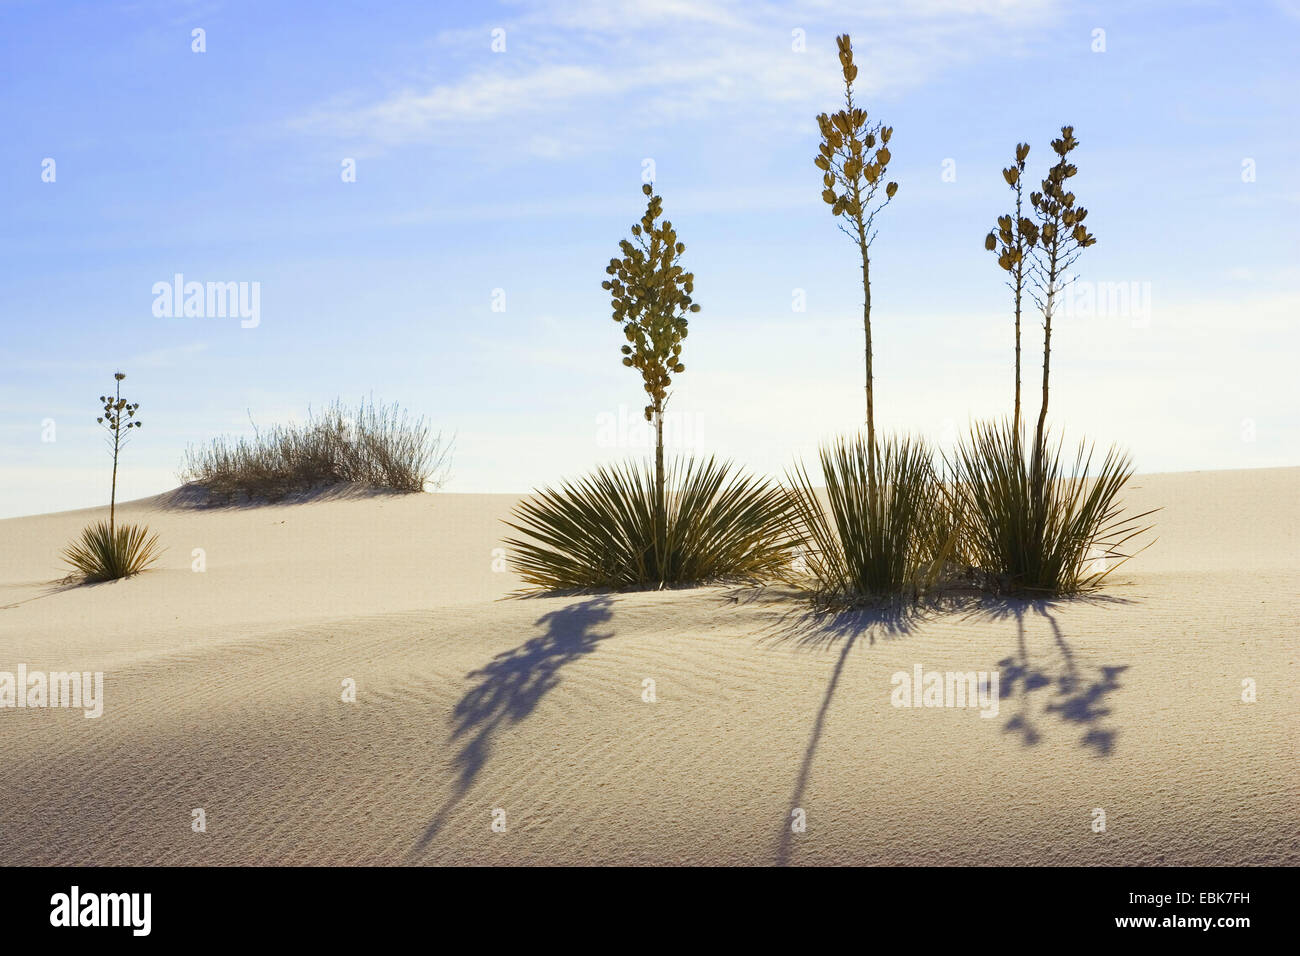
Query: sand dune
point(222, 692)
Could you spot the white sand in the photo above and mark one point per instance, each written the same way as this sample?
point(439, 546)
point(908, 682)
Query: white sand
point(222, 691)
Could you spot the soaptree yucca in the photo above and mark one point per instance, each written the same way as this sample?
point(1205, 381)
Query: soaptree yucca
point(1060, 535)
point(107, 551)
point(861, 546)
point(634, 526)
point(866, 545)
point(613, 529)
point(853, 156)
point(1040, 526)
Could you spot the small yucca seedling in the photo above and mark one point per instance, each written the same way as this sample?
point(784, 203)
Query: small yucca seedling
point(107, 552)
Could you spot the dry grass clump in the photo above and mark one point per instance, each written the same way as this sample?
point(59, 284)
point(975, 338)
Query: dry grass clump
point(379, 446)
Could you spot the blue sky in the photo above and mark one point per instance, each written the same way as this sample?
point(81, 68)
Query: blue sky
point(519, 171)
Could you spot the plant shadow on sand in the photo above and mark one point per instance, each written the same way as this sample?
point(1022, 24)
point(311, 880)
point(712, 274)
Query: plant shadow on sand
point(1080, 690)
point(70, 582)
point(510, 687)
point(822, 630)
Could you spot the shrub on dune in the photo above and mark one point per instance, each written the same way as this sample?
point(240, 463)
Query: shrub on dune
point(874, 539)
point(654, 525)
point(611, 529)
point(1034, 523)
point(879, 538)
point(375, 445)
point(1060, 534)
point(107, 551)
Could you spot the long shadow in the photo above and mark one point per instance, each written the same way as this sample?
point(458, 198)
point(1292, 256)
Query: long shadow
point(810, 629)
point(52, 588)
point(510, 687)
point(1080, 692)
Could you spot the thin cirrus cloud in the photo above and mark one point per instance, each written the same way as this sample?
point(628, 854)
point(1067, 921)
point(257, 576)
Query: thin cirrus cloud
point(674, 61)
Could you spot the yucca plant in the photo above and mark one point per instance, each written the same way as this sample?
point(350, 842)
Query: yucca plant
point(604, 531)
point(1059, 532)
point(1039, 526)
point(106, 550)
point(882, 497)
point(864, 547)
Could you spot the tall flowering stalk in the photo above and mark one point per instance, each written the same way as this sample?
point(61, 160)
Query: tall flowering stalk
point(114, 408)
point(650, 294)
point(1013, 240)
point(852, 156)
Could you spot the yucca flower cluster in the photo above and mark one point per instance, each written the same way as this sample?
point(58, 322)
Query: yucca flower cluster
point(114, 406)
point(651, 297)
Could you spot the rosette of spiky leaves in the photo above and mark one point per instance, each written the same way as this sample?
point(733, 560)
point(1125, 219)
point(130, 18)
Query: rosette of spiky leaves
point(1062, 235)
point(106, 552)
point(651, 297)
point(114, 407)
point(601, 531)
point(1061, 535)
point(853, 157)
point(866, 544)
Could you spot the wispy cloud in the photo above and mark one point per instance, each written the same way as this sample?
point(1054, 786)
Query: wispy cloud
point(675, 60)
